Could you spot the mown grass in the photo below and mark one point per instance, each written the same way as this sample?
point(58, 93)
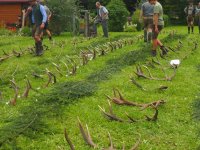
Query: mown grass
point(59, 106)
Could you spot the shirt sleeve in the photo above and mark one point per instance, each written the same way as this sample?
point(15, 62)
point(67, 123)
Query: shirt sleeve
point(105, 10)
point(156, 9)
point(44, 14)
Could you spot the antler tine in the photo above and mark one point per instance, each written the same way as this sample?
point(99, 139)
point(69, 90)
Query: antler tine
point(120, 95)
point(109, 115)
point(111, 143)
point(15, 87)
point(155, 117)
point(150, 75)
point(28, 87)
point(68, 140)
point(114, 92)
point(85, 135)
point(136, 83)
point(135, 147)
point(130, 118)
point(108, 97)
point(110, 107)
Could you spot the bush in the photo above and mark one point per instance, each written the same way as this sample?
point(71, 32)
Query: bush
point(6, 32)
point(135, 20)
point(117, 15)
point(166, 20)
point(130, 28)
point(62, 15)
point(25, 31)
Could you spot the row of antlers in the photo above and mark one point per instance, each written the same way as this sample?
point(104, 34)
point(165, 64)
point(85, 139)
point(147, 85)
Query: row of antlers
point(89, 141)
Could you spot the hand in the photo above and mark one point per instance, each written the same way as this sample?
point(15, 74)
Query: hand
point(42, 26)
point(156, 29)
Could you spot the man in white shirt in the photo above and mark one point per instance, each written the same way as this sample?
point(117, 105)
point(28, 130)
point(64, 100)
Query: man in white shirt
point(102, 17)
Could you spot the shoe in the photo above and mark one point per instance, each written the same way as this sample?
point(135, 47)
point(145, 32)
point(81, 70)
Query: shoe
point(153, 53)
point(50, 38)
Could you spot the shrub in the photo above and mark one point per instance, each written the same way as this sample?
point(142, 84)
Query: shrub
point(4, 31)
point(167, 20)
point(62, 15)
point(117, 15)
point(25, 31)
point(130, 28)
point(135, 20)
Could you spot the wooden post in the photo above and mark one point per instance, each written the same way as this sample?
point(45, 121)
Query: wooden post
point(23, 18)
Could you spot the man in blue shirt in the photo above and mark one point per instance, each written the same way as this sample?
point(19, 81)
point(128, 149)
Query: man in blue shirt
point(39, 18)
point(102, 17)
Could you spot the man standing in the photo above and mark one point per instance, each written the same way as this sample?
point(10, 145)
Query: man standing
point(102, 17)
point(158, 24)
point(190, 12)
point(39, 18)
point(146, 15)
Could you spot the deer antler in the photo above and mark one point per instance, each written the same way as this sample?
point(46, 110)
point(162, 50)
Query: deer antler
point(110, 115)
point(154, 118)
point(68, 140)
point(58, 68)
point(121, 100)
point(50, 75)
point(15, 87)
point(28, 87)
point(153, 104)
point(111, 147)
point(137, 84)
point(86, 135)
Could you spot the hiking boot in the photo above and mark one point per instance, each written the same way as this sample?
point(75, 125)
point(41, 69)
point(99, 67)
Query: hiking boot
point(164, 50)
point(39, 49)
point(153, 53)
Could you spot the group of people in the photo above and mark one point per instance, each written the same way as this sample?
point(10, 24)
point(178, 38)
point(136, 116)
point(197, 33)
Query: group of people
point(152, 17)
point(191, 11)
point(39, 15)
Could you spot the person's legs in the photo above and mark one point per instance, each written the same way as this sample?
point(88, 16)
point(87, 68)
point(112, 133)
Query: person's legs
point(105, 27)
point(149, 29)
point(96, 22)
point(49, 34)
point(38, 41)
point(157, 42)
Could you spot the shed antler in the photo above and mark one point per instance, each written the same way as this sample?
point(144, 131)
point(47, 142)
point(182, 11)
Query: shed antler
point(121, 100)
point(68, 140)
point(110, 115)
point(111, 147)
point(28, 87)
point(16, 88)
point(154, 118)
point(86, 135)
point(50, 75)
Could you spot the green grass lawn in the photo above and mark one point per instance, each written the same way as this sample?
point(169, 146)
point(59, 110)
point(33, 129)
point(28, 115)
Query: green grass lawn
point(38, 122)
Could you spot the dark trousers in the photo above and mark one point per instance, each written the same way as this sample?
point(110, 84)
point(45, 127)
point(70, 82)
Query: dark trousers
point(104, 24)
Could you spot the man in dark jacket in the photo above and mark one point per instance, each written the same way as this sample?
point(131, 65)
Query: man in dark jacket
point(39, 18)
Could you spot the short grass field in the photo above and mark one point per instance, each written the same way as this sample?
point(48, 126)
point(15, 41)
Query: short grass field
point(38, 121)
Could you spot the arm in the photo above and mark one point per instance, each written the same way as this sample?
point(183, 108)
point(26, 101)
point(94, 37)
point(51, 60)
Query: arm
point(155, 19)
point(44, 15)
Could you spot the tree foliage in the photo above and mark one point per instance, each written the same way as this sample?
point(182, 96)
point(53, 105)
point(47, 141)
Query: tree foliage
point(62, 14)
point(117, 14)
